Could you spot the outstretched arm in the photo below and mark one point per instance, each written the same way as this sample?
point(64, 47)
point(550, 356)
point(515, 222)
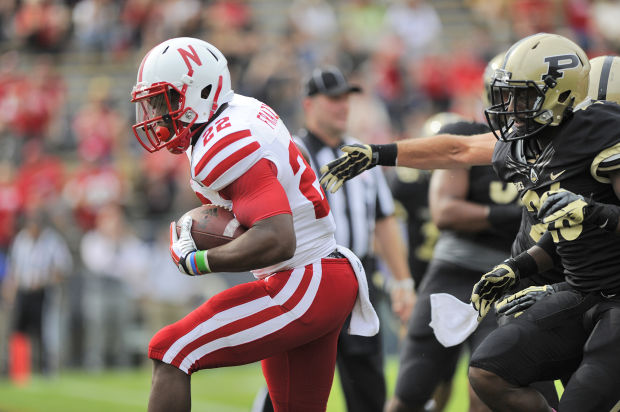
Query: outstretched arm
point(438, 152)
point(446, 151)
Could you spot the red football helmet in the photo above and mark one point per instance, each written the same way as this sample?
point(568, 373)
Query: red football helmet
point(181, 82)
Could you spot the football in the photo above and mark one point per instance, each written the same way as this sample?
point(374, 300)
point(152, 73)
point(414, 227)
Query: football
point(212, 226)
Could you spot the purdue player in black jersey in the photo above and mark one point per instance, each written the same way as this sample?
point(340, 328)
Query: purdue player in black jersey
point(604, 84)
point(478, 216)
point(551, 145)
point(564, 160)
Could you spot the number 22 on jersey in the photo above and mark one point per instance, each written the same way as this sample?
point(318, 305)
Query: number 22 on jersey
point(308, 183)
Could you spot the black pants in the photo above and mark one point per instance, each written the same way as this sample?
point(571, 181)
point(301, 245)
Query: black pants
point(28, 319)
point(565, 334)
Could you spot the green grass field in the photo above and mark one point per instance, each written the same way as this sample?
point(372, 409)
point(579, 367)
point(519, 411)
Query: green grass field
point(221, 390)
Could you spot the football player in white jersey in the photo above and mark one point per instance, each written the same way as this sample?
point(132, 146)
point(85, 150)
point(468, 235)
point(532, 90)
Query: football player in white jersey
point(242, 158)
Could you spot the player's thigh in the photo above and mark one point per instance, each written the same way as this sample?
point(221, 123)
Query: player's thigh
point(544, 343)
point(484, 329)
point(600, 367)
point(255, 320)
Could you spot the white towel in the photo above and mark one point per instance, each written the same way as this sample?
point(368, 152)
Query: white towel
point(364, 319)
point(452, 320)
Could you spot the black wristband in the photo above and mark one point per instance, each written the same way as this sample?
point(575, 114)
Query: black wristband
point(386, 153)
point(604, 216)
point(501, 215)
point(525, 264)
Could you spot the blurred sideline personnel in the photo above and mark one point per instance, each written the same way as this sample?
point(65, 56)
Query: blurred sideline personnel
point(242, 157)
point(38, 261)
point(478, 216)
point(562, 153)
point(363, 210)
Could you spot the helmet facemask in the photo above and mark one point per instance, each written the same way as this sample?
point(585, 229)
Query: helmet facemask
point(162, 119)
point(517, 107)
point(181, 84)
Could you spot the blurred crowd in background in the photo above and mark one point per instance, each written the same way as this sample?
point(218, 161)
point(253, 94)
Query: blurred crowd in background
point(84, 210)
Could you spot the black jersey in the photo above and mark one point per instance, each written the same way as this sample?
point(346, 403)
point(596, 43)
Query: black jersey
point(410, 190)
point(582, 149)
point(486, 188)
point(529, 232)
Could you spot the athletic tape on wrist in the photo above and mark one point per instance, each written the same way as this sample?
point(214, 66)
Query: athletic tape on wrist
point(406, 283)
point(202, 262)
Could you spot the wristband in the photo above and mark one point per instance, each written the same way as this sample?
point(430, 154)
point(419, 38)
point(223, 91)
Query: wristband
point(384, 154)
point(524, 264)
point(198, 262)
point(406, 283)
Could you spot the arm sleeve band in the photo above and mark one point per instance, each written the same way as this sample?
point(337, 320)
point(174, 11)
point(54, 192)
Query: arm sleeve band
point(525, 264)
point(386, 153)
point(257, 194)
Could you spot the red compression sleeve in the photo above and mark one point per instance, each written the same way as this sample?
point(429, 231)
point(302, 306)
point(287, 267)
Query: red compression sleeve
point(257, 194)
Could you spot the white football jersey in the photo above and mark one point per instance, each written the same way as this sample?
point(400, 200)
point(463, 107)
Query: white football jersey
point(245, 132)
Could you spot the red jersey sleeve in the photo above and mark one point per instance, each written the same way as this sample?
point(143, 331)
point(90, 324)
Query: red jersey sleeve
point(257, 194)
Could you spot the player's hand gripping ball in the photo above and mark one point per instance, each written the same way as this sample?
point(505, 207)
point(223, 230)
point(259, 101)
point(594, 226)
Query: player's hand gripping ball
point(199, 230)
point(182, 245)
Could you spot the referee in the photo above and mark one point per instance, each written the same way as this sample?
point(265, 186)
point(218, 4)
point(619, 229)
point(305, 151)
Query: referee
point(363, 210)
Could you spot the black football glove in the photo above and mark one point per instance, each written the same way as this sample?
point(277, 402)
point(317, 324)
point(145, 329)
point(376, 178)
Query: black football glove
point(493, 285)
point(563, 209)
point(357, 158)
point(516, 303)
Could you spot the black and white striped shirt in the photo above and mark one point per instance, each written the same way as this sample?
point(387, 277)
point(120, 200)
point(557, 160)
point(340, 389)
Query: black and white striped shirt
point(34, 261)
point(358, 204)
